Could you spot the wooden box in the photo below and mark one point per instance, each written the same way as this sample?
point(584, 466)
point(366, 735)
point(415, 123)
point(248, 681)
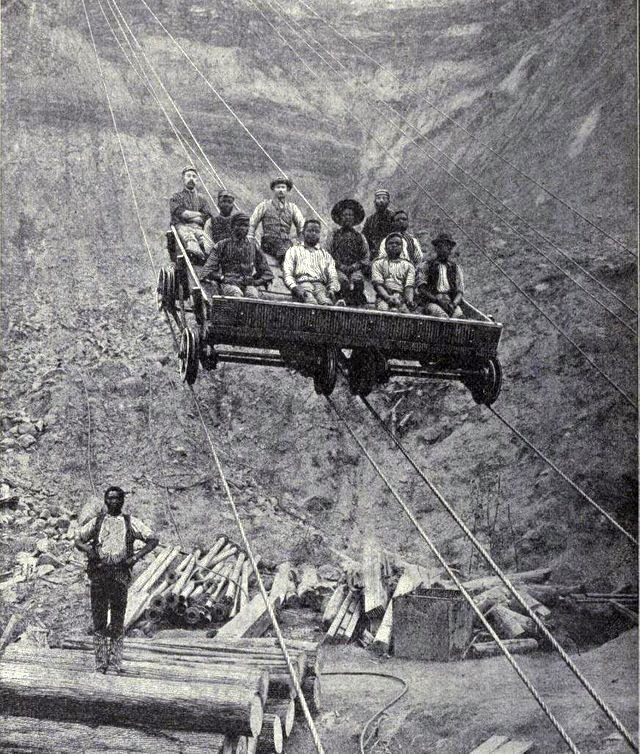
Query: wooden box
point(434, 625)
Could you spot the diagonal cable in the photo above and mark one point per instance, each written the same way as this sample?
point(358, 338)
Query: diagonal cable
point(469, 133)
point(453, 576)
point(442, 167)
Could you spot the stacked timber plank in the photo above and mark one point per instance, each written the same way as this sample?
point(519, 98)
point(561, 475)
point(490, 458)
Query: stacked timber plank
point(192, 589)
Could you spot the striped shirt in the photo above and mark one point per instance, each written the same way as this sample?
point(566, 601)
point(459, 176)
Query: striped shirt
point(394, 274)
point(306, 264)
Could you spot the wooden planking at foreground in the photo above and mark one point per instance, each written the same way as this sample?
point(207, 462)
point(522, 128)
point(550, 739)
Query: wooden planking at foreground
point(503, 745)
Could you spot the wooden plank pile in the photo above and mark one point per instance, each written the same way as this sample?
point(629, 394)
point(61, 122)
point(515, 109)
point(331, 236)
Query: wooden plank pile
point(236, 691)
point(193, 589)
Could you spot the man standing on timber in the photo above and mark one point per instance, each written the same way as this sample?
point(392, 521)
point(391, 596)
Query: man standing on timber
point(379, 224)
point(440, 284)
point(237, 264)
point(309, 271)
point(108, 541)
point(411, 249)
point(350, 250)
point(221, 225)
point(191, 215)
point(277, 215)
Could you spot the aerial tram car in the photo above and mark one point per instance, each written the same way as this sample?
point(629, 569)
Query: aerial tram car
point(367, 345)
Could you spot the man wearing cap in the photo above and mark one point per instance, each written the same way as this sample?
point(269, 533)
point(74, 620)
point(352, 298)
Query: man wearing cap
point(237, 264)
point(309, 271)
point(393, 278)
point(191, 215)
point(107, 539)
point(350, 251)
point(440, 283)
point(221, 225)
point(378, 225)
point(277, 215)
point(411, 249)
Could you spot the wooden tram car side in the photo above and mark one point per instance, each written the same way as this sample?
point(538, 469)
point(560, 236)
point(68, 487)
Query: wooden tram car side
point(370, 346)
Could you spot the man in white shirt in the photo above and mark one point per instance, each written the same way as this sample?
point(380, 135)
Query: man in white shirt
point(309, 271)
point(107, 540)
point(277, 215)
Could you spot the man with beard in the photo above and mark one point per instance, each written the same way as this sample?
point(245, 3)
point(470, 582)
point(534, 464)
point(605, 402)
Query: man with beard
point(277, 215)
point(190, 212)
point(221, 225)
point(393, 278)
point(350, 250)
point(108, 541)
point(309, 271)
point(378, 225)
point(411, 249)
point(441, 282)
point(237, 264)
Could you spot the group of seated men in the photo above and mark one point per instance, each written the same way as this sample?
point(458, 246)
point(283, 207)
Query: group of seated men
point(229, 260)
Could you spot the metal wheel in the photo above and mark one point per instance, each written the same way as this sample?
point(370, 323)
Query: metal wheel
point(366, 369)
point(326, 373)
point(485, 388)
point(160, 289)
point(166, 289)
point(188, 356)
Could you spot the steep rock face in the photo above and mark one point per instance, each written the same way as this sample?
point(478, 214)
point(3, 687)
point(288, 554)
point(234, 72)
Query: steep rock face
point(543, 82)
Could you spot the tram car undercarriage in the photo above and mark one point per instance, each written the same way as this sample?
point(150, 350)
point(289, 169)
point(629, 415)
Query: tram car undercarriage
point(367, 345)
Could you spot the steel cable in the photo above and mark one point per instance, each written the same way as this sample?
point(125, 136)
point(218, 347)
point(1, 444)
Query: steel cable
point(229, 108)
point(466, 130)
point(432, 159)
point(491, 259)
point(562, 475)
point(452, 575)
point(227, 490)
point(506, 581)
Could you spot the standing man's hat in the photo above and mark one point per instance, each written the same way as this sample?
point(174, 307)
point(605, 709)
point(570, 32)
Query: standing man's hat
point(226, 192)
point(239, 217)
point(358, 211)
point(282, 179)
point(382, 192)
point(444, 239)
point(189, 167)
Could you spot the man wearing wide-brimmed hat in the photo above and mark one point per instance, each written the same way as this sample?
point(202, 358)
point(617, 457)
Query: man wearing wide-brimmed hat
point(379, 224)
point(440, 283)
point(191, 215)
point(221, 225)
point(350, 250)
point(277, 215)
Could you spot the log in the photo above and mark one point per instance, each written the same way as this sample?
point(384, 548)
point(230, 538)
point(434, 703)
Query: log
point(241, 746)
point(307, 587)
point(234, 578)
point(186, 574)
point(537, 576)
point(8, 630)
point(21, 735)
point(351, 627)
point(335, 625)
point(285, 709)
point(256, 680)
point(537, 608)
point(155, 570)
point(271, 739)
point(254, 619)
point(495, 595)
point(515, 646)
point(509, 624)
point(333, 605)
point(244, 584)
point(412, 577)
point(30, 690)
point(375, 594)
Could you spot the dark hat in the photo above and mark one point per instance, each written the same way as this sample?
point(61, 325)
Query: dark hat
point(282, 179)
point(189, 167)
point(239, 217)
point(358, 211)
point(444, 239)
point(226, 192)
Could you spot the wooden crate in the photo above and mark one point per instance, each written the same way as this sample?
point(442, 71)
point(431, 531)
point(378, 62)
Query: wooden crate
point(435, 625)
